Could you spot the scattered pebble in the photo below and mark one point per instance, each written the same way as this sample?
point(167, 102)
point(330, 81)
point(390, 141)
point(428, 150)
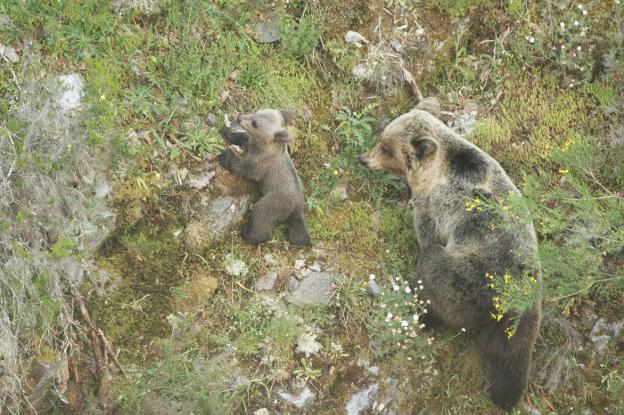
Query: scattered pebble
point(9, 53)
point(301, 400)
point(72, 86)
point(362, 401)
point(266, 283)
point(354, 37)
point(315, 288)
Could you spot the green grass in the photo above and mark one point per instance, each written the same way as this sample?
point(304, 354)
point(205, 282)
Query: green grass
point(151, 83)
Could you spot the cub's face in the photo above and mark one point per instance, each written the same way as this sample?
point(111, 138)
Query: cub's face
point(407, 148)
point(267, 127)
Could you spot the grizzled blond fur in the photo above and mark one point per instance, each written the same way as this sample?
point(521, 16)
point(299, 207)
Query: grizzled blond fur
point(458, 247)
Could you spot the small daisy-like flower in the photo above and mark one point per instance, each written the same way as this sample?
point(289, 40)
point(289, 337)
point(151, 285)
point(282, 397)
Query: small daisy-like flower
point(408, 290)
point(395, 288)
point(576, 23)
point(409, 359)
point(404, 323)
point(578, 48)
point(415, 317)
point(562, 47)
point(421, 287)
point(463, 330)
point(584, 12)
point(372, 277)
point(531, 39)
point(335, 172)
point(389, 315)
point(562, 25)
point(580, 6)
point(419, 281)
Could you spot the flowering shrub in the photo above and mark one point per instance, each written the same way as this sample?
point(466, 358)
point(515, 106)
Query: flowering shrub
point(395, 323)
point(570, 41)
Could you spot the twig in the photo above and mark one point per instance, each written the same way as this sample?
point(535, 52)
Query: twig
point(409, 78)
point(243, 287)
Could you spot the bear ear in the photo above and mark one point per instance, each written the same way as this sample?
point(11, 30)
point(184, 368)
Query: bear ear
point(431, 105)
point(424, 148)
point(282, 136)
point(288, 116)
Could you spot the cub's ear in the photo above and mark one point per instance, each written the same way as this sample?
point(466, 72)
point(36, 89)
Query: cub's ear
point(282, 136)
point(421, 150)
point(288, 116)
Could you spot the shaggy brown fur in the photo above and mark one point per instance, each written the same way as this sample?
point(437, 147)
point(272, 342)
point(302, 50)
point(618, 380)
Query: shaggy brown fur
point(266, 161)
point(458, 246)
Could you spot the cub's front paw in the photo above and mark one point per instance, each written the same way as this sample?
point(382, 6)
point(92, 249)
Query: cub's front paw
point(226, 158)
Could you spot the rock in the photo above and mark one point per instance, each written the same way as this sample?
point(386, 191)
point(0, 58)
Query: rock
point(340, 192)
point(293, 283)
point(464, 123)
point(270, 260)
point(261, 411)
point(266, 283)
point(145, 7)
point(222, 213)
point(72, 86)
point(211, 119)
point(396, 45)
point(316, 267)
point(354, 37)
point(389, 393)
point(373, 288)
point(9, 53)
point(200, 181)
point(315, 288)
point(267, 28)
point(362, 401)
point(300, 263)
point(301, 400)
point(602, 333)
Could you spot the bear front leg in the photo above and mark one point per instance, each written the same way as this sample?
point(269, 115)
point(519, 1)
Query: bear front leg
point(238, 165)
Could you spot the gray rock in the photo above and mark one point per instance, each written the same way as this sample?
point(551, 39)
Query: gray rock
point(72, 86)
point(464, 123)
point(396, 45)
point(340, 192)
point(146, 7)
point(316, 267)
point(303, 399)
point(211, 118)
point(293, 283)
point(220, 214)
point(9, 53)
point(267, 28)
point(362, 401)
point(200, 181)
point(388, 394)
point(373, 288)
point(354, 37)
point(315, 288)
point(602, 333)
point(266, 283)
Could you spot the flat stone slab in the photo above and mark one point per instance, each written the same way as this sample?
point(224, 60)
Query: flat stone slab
point(224, 212)
point(315, 288)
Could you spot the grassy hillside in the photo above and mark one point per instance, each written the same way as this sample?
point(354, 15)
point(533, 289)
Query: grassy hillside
point(118, 296)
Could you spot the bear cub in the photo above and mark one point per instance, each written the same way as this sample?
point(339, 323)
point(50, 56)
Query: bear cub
point(266, 161)
point(459, 245)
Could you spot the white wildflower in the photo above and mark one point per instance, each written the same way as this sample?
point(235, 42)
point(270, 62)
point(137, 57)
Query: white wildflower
point(235, 267)
point(531, 39)
point(404, 323)
point(562, 25)
point(408, 290)
point(308, 345)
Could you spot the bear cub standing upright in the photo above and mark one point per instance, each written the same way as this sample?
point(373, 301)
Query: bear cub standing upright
point(459, 245)
point(266, 161)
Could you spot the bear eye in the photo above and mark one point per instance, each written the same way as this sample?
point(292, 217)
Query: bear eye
point(254, 124)
point(387, 151)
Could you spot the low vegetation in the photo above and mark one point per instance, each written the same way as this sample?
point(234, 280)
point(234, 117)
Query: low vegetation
point(91, 208)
